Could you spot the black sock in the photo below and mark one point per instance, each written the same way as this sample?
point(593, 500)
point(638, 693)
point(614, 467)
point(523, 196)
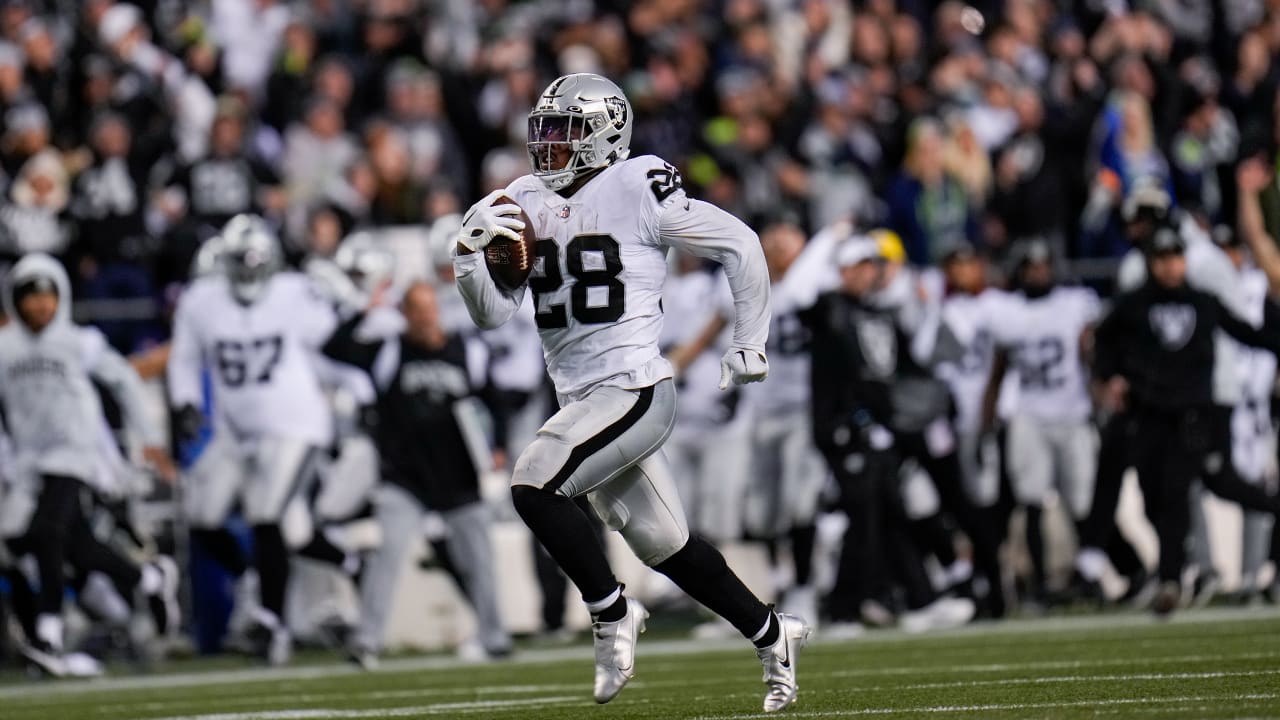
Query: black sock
point(223, 547)
point(771, 635)
point(272, 561)
point(802, 541)
point(323, 550)
point(700, 570)
point(569, 538)
point(614, 612)
point(1035, 547)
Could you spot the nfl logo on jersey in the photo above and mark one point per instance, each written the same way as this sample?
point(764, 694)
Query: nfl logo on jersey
point(564, 213)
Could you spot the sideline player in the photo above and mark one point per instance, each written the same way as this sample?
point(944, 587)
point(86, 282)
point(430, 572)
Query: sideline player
point(258, 331)
point(605, 223)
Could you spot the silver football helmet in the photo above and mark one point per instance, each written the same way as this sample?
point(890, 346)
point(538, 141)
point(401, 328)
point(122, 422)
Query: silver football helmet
point(581, 122)
point(366, 262)
point(250, 255)
point(208, 259)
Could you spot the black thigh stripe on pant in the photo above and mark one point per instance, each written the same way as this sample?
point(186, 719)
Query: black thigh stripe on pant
point(305, 479)
point(596, 443)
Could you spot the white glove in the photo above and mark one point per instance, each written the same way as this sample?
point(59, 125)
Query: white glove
point(485, 220)
point(742, 366)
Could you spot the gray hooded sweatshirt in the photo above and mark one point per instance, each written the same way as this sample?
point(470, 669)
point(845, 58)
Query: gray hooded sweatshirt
point(53, 412)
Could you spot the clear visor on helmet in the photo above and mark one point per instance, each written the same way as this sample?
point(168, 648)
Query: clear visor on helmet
point(552, 140)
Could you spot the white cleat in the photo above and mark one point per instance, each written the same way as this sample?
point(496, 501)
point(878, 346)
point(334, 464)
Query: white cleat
point(615, 644)
point(779, 662)
point(942, 614)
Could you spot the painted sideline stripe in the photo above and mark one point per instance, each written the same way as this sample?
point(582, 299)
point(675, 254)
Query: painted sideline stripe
point(325, 713)
point(934, 709)
point(585, 652)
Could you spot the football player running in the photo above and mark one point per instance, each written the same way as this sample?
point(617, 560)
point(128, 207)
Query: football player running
point(257, 330)
point(605, 222)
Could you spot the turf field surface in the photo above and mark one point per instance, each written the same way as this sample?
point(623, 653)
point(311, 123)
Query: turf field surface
point(1211, 664)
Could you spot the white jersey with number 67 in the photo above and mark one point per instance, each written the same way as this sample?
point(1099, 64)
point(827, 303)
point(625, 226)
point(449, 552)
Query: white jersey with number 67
point(260, 357)
point(601, 264)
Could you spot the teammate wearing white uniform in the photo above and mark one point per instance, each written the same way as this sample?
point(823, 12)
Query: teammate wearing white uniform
point(606, 222)
point(1252, 435)
point(1052, 443)
point(708, 445)
point(786, 471)
point(257, 330)
point(972, 311)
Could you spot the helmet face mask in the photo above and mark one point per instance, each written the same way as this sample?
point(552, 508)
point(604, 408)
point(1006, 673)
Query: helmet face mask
point(250, 255)
point(581, 123)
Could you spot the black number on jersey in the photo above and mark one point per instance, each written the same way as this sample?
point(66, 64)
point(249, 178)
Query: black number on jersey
point(666, 180)
point(793, 336)
point(977, 357)
point(1038, 362)
point(238, 361)
point(554, 316)
point(548, 282)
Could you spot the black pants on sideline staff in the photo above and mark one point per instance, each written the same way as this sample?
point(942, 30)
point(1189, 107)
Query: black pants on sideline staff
point(878, 549)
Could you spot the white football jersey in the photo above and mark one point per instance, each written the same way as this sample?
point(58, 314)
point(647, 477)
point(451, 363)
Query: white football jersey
point(787, 389)
point(600, 268)
point(690, 302)
point(1256, 367)
point(262, 357)
point(1043, 338)
point(972, 320)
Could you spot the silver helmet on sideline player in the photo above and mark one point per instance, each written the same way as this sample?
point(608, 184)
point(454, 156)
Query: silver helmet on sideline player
point(366, 262)
point(250, 255)
point(581, 122)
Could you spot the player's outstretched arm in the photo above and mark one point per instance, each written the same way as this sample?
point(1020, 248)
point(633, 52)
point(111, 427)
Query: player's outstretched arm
point(114, 372)
point(707, 231)
point(182, 374)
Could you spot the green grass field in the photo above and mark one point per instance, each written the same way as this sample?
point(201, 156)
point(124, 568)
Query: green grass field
point(1211, 664)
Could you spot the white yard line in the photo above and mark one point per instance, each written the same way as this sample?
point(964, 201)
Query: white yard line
point(993, 707)
point(28, 691)
point(1049, 664)
point(336, 714)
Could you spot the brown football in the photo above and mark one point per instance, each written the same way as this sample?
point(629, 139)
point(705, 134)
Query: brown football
point(511, 262)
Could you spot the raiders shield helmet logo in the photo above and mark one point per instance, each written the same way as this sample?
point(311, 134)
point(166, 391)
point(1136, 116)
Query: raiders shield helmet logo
point(1173, 324)
point(878, 344)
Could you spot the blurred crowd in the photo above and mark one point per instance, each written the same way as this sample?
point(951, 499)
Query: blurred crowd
point(131, 131)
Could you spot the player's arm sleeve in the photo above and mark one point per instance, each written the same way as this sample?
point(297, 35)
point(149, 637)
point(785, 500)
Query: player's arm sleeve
point(1108, 342)
point(185, 359)
point(1215, 274)
point(488, 305)
point(706, 231)
point(814, 271)
point(343, 346)
point(1267, 336)
point(1132, 273)
point(114, 372)
point(315, 316)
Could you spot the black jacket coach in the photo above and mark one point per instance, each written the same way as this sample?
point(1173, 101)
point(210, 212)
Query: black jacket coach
point(1161, 341)
point(420, 440)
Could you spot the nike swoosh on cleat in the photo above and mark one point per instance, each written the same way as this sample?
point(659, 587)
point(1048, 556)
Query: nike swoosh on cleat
point(786, 661)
